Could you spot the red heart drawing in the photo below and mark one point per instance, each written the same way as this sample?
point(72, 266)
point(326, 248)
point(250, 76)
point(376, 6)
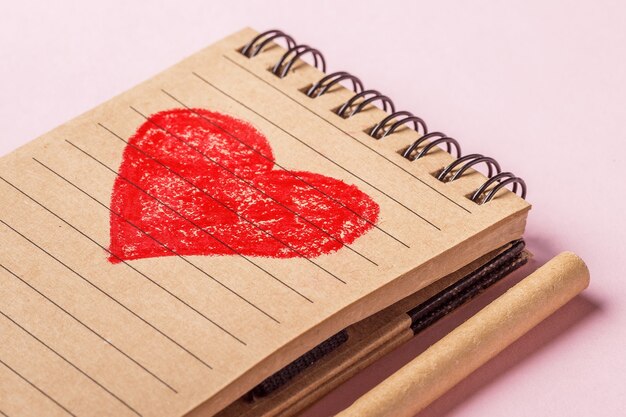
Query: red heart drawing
point(196, 182)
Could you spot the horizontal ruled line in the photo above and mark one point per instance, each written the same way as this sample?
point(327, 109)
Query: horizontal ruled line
point(235, 212)
point(320, 153)
point(244, 181)
point(85, 374)
point(76, 319)
point(58, 404)
point(291, 173)
point(142, 274)
point(200, 228)
point(347, 134)
point(91, 283)
point(133, 225)
point(179, 214)
point(102, 292)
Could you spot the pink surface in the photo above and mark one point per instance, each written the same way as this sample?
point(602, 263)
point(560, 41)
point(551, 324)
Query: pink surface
point(541, 87)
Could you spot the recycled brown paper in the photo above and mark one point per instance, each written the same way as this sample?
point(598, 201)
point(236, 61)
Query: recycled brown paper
point(476, 341)
point(162, 335)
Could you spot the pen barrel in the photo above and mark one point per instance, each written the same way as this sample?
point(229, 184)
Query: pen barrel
point(474, 342)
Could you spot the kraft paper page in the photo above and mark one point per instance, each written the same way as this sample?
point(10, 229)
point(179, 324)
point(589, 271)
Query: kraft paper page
point(145, 270)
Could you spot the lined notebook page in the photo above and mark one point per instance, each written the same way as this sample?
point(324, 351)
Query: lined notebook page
point(85, 333)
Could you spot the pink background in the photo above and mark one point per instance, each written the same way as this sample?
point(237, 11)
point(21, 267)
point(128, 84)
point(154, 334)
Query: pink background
point(539, 85)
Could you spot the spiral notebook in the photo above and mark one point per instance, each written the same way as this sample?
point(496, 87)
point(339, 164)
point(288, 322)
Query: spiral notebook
point(178, 244)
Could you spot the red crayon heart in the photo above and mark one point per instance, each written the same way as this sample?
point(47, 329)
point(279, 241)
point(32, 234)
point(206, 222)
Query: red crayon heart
point(195, 182)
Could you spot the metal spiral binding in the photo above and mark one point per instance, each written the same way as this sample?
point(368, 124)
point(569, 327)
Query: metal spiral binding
point(470, 160)
point(354, 108)
point(326, 83)
point(380, 130)
point(389, 124)
point(440, 138)
point(503, 179)
point(284, 64)
point(265, 38)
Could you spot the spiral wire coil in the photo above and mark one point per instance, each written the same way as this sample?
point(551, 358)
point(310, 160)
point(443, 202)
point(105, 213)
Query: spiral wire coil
point(496, 179)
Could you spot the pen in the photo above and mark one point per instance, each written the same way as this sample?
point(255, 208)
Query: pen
point(474, 342)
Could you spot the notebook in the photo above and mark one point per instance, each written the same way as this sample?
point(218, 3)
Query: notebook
point(172, 248)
